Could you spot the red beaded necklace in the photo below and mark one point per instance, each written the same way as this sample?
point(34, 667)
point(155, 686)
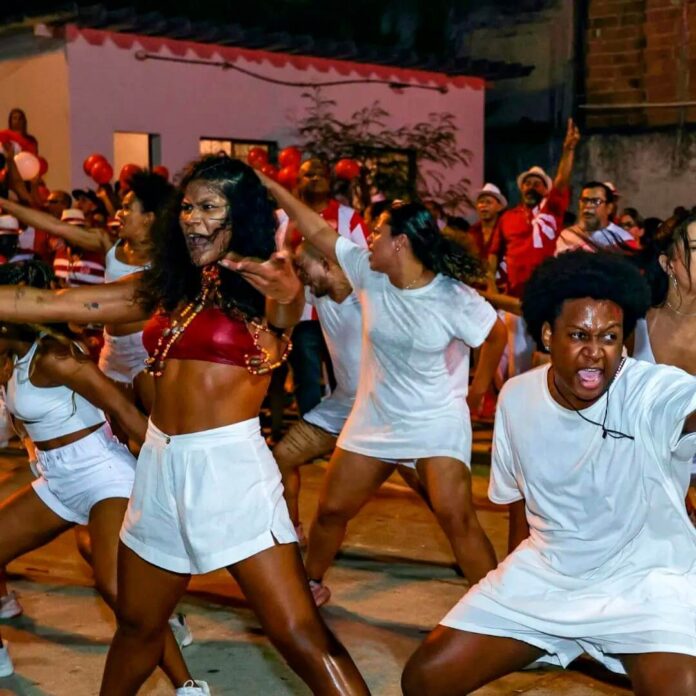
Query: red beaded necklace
point(208, 296)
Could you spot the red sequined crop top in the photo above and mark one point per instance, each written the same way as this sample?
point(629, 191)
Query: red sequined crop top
point(212, 336)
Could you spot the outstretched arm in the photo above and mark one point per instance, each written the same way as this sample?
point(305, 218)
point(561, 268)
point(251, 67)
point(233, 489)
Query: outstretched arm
point(312, 226)
point(110, 303)
point(504, 302)
point(92, 240)
point(565, 165)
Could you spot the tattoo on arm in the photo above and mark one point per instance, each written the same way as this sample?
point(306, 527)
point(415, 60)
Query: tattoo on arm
point(91, 305)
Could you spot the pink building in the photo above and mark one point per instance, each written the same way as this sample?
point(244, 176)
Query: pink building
point(158, 100)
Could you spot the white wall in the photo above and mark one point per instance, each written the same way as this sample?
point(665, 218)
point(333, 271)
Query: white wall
point(112, 91)
point(34, 78)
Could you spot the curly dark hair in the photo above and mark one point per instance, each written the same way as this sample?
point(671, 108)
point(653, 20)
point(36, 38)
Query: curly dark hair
point(577, 274)
point(436, 252)
point(152, 190)
point(671, 237)
point(35, 274)
point(172, 276)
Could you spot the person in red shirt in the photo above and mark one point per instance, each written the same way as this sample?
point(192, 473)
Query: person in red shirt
point(490, 204)
point(526, 236)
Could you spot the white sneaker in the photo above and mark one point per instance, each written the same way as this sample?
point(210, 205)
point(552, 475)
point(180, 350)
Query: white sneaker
point(6, 666)
point(181, 630)
point(10, 606)
point(193, 688)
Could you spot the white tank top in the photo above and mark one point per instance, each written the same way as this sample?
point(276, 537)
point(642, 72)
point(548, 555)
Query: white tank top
point(116, 269)
point(47, 412)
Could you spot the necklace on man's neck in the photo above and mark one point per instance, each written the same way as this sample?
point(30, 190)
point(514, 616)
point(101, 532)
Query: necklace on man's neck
point(669, 306)
point(614, 434)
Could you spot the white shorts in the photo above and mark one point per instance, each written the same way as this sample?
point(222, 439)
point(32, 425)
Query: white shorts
point(561, 651)
point(122, 358)
point(203, 501)
point(76, 477)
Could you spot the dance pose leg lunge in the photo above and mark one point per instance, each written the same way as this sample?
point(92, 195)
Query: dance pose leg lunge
point(577, 443)
point(62, 399)
point(207, 491)
point(419, 322)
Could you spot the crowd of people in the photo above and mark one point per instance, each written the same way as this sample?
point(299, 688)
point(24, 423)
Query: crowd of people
point(399, 327)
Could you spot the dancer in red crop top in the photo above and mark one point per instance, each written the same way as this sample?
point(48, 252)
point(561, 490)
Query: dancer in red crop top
point(207, 492)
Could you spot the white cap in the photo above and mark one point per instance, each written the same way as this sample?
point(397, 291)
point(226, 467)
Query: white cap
point(494, 191)
point(9, 224)
point(612, 187)
point(73, 216)
point(535, 171)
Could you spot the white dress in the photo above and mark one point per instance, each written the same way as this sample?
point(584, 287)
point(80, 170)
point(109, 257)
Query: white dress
point(411, 399)
point(610, 563)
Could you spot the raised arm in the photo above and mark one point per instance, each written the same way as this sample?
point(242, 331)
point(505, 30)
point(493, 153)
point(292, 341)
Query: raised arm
point(92, 240)
point(110, 303)
point(565, 164)
point(311, 225)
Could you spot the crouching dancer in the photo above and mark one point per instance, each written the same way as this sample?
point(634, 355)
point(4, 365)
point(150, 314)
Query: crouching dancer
point(577, 444)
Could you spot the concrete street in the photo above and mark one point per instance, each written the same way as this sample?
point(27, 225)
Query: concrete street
point(393, 582)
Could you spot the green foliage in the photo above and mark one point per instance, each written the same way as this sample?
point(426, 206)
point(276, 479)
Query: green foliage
point(404, 163)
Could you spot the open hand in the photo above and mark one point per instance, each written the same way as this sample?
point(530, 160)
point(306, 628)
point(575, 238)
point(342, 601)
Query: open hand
point(274, 278)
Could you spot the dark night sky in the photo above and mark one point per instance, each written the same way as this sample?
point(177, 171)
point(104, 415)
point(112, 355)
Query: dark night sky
point(423, 25)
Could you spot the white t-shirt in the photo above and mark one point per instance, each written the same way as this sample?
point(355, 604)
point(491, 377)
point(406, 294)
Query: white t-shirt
point(587, 496)
point(341, 324)
point(415, 363)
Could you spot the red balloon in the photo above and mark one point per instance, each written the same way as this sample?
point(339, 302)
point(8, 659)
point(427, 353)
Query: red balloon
point(127, 171)
point(43, 166)
point(102, 172)
point(347, 169)
point(287, 176)
point(91, 161)
point(162, 171)
point(257, 157)
point(290, 157)
point(43, 193)
point(270, 171)
point(8, 135)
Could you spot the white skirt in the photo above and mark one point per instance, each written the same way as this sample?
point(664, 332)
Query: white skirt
point(74, 478)
point(122, 358)
point(206, 500)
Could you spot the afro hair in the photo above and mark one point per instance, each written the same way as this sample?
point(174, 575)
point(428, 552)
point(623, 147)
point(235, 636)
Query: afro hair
point(577, 274)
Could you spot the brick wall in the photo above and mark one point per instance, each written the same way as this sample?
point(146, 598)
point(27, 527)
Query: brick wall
point(640, 51)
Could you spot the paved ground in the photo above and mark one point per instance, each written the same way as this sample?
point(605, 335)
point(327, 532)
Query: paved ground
point(392, 584)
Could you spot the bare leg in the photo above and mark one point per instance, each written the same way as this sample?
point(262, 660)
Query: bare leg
point(448, 482)
point(104, 524)
point(146, 598)
point(302, 443)
point(453, 663)
point(275, 586)
point(350, 482)
point(84, 542)
point(656, 674)
point(412, 480)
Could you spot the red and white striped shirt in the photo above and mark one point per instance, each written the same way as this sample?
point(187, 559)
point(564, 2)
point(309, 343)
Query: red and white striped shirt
point(74, 270)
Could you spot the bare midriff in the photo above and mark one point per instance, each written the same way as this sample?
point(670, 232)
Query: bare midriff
point(124, 329)
point(63, 440)
point(192, 396)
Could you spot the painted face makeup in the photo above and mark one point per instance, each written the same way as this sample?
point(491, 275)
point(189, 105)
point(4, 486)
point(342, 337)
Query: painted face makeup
point(203, 216)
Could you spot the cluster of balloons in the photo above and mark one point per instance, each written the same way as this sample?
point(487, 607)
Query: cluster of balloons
point(29, 164)
point(98, 168)
point(288, 169)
